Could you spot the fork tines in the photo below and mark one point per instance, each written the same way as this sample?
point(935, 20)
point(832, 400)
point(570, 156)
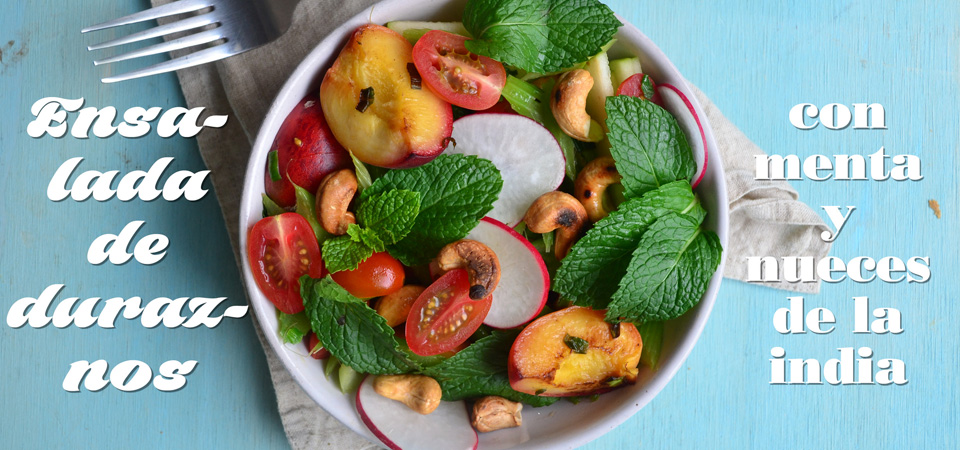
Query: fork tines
point(195, 22)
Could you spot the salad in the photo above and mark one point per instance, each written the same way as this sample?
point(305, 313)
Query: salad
point(489, 211)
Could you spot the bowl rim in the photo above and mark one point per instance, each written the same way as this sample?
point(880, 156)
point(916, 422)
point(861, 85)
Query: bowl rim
point(250, 206)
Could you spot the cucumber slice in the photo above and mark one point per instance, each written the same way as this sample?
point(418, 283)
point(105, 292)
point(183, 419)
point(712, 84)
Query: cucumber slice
point(624, 68)
point(599, 68)
point(332, 365)
point(413, 31)
point(349, 379)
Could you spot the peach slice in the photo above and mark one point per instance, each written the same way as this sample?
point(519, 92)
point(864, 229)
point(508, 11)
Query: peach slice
point(373, 110)
point(574, 352)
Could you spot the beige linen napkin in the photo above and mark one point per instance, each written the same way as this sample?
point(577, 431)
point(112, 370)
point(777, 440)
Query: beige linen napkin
point(765, 217)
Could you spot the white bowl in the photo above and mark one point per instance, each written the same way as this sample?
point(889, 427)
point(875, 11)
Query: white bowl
point(563, 425)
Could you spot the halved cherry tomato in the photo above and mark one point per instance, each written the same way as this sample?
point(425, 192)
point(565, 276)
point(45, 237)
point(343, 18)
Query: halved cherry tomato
point(281, 249)
point(444, 316)
point(378, 275)
point(640, 85)
point(316, 353)
point(456, 75)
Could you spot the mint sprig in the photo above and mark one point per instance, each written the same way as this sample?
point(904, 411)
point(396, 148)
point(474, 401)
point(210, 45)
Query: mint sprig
point(456, 191)
point(384, 218)
point(352, 331)
point(668, 272)
point(650, 260)
point(591, 272)
point(539, 36)
point(647, 144)
point(391, 214)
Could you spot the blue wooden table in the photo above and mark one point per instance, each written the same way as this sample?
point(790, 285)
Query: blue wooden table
point(755, 60)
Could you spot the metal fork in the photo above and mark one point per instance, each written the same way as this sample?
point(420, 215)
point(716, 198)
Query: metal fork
point(223, 27)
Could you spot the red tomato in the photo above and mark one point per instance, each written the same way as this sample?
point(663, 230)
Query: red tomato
point(376, 276)
point(444, 316)
point(306, 152)
point(641, 86)
point(456, 75)
point(281, 249)
point(312, 342)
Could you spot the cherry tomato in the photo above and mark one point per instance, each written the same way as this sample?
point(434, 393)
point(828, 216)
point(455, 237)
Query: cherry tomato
point(640, 85)
point(444, 316)
point(306, 152)
point(316, 353)
point(281, 249)
point(376, 276)
point(456, 75)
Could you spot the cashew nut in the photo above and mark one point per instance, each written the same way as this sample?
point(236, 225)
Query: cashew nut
point(481, 263)
point(419, 392)
point(557, 211)
point(396, 306)
point(591, 183)
point(569, 106)
point(333, 198)
point(496, 413)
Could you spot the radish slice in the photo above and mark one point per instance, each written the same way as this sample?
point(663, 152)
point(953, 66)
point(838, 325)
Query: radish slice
point(531, 162)
point(524, 280)
point(681, 108)
point(399, 427)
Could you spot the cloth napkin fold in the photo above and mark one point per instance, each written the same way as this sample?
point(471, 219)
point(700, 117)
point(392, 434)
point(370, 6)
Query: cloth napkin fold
point(766, 218)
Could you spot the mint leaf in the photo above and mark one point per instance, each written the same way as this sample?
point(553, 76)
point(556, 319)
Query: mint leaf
point(351, 330)
point(591, 272)
point(576, 344)
point(669, 271)
point(365, 236)
point(292, 328)
point(456, 191)
point(480, 370)
point(647, 87)
point(647, 144)
point(540, 36)
point(344, 253)
point(389, 215)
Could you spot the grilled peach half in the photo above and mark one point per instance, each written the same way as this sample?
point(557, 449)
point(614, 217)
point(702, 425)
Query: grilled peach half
point(574, 352)
point(374, 110)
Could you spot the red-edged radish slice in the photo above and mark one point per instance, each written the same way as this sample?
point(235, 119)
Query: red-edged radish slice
point(679, 105)
point(401, 428)
point(530, 160)
point(524, 280)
